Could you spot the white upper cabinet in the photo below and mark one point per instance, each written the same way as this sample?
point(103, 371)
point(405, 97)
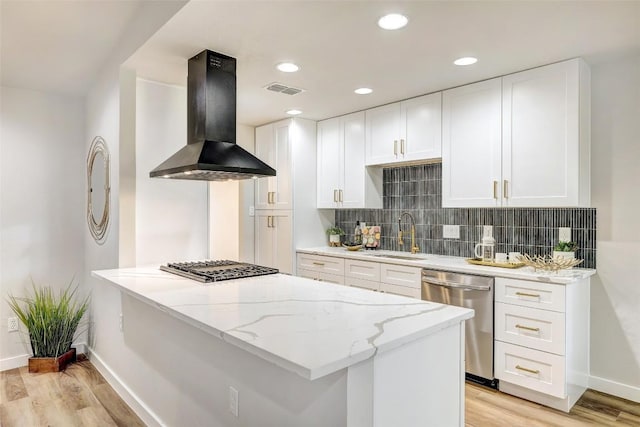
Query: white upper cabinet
point(471, 145)
point(518, 141)
point(273, 146)
point(343, 179)
point(407, 131)
point(541, 136)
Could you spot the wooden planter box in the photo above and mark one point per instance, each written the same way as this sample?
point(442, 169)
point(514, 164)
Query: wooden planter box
point(51, 364)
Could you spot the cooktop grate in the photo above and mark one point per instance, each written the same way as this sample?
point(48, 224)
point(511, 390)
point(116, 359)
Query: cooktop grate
point(216, 270)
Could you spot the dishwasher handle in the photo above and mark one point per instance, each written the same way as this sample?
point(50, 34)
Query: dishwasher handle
point(455, 285)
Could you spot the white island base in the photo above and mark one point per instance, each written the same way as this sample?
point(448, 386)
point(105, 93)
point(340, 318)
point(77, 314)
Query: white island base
point(169, 368)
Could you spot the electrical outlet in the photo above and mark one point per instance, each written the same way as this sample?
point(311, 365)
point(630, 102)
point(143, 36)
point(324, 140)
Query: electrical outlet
point(252, 210)
point(121, 322)
point(564, 234)
point(451, 231)
point(12, 324)
point(233, 401)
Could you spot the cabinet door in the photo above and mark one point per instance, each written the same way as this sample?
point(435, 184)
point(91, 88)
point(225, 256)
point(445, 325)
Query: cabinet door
point(353, 169)
point(273, 240)
point(263, 250)
point(330, 158)
point(282, 181)
point(421, 128)
point(282, 229)
point(265, 151)
point(383, 134)
point(541, 140)
point(471, 145)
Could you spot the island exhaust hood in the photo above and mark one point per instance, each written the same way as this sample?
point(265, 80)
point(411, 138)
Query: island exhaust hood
point(211, 153)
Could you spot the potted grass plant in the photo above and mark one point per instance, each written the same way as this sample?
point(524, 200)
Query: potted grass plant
point(52, 321)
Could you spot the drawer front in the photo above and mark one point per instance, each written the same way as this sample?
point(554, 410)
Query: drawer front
point(325, 264)
point(533, 369)
point(360, 283)
point(547, 296)
point(400, 275)
point(365, 270)
point(530, 327)
point(400, 290)
point(331, 278)
point(307, 274)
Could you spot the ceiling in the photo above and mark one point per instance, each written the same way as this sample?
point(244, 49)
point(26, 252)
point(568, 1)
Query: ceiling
point(59, 45)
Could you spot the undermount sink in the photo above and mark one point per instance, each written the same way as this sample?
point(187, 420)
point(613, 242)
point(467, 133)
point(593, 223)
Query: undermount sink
point(405, 257)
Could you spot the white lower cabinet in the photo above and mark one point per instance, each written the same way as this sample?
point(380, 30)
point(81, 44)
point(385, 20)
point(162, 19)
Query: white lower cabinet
point(542, 340)
point(371, 275)
point(320, 276)
point(273, 235)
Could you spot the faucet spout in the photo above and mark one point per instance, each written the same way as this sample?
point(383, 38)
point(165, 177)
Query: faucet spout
point(414, 248)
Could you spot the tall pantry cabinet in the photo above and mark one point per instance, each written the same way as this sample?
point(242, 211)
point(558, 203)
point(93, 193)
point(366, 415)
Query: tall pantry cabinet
point(285, 205)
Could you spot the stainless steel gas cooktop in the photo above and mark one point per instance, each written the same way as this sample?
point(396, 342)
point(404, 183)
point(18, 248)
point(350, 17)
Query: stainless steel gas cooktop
point(215, 271)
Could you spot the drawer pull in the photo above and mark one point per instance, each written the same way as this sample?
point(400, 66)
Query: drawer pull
point(532, 371)
point(318, 263)
point(524, 294)
point(528, 328)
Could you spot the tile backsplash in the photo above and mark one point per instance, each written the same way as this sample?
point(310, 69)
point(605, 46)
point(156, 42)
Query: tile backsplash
point(418, 190)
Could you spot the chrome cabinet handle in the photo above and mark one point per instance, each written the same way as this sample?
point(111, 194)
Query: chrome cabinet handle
point(505, 189)
point(528, 328)
point(532, 371)
point(395, 147)
point(524, 294)
point(402, 146)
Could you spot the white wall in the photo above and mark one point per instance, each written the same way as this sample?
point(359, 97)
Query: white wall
point(615, 290)
point(171, 214)
point(42, 212)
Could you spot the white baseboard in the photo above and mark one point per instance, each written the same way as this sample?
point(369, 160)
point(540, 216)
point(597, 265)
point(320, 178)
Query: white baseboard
point(14, 362)
point(625, 391)
point(130, 398)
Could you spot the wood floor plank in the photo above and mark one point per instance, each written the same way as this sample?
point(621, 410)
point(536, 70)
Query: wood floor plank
point(628, 419)
point(618, 403)
point(18, 413)
point(121, 414)
point(95, 416)
point(13, 387)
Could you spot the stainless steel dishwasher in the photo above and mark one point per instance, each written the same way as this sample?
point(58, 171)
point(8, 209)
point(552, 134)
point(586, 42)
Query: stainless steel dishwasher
point(469, 291)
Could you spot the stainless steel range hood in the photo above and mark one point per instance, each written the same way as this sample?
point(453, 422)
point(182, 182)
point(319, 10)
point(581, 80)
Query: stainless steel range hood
point(211, 153)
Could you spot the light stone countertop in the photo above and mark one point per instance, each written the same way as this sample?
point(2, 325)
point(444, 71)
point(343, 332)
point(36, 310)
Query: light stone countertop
point(455, 264)
point(308, 328)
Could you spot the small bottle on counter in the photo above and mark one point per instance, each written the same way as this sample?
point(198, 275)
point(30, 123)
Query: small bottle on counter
point(357, 234)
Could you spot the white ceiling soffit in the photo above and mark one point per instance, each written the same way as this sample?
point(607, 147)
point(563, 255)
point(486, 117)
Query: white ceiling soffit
point(62, 46)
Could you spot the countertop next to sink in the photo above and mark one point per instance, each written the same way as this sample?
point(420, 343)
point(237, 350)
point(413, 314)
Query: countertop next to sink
point(456, 264)
point(291, 321)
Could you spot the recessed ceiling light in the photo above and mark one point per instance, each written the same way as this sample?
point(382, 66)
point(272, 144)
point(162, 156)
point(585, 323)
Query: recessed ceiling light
point(467, 60)
point(392, 21)
point(287, 67)
point(293, 112)
point(363, 91)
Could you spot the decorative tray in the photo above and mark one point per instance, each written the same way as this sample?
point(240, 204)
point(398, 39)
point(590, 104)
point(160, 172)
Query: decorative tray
point(495, 264)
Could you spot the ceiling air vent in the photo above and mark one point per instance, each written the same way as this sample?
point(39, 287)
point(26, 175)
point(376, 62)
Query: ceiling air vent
point(287, 90)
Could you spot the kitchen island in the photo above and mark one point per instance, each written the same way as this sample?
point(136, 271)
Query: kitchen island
point(298, 353)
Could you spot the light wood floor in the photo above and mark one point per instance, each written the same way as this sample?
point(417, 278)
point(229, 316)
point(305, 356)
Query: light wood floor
point(81, 397)
point(78, 396)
